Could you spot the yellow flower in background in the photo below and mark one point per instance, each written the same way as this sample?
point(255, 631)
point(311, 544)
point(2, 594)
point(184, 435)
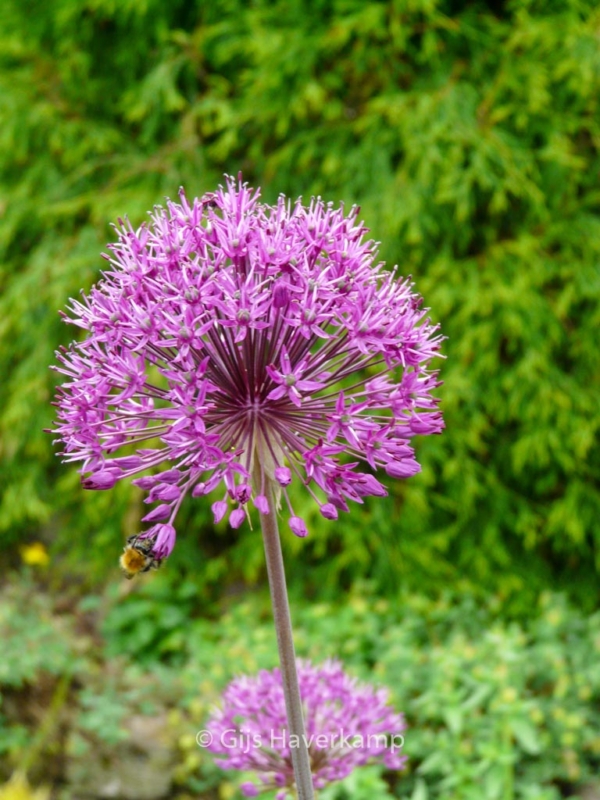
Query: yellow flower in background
point(18, 788)
point(34, 555)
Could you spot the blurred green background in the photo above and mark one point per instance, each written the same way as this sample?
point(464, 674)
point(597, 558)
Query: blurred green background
point(469, 134)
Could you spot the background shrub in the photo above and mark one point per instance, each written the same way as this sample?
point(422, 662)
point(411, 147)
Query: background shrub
point(494, 709)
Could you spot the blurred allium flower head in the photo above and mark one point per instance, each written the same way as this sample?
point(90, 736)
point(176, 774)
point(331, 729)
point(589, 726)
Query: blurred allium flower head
point(232, 343)
point(348, 725)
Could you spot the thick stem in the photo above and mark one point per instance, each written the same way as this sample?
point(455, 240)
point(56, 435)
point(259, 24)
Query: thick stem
point(285, 643)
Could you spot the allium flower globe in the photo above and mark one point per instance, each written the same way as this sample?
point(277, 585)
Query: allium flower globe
point(348, 724)
point(238, 345)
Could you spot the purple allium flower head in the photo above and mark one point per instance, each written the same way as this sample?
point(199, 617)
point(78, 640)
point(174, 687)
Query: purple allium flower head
point(348, 724)
point(236, 344)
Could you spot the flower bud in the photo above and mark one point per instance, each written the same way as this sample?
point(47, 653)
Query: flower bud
point(165, 541)
point(105, 479)
point(166, 491)
point(237, 517)
point(170, 476)
point(128, 462)
point(370, 485)
point(402, 469)
point(281, 294)
point(161, 512)
point(298, 527)
point(283, 476)
point(145, 482)
point(329, 511)
point(262, 504)
point(219, 510)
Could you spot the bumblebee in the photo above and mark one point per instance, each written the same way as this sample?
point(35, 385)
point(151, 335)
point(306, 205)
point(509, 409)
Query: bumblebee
point(137, 556)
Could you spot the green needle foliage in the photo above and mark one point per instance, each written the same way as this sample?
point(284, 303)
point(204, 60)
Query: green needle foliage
point(469, 133)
